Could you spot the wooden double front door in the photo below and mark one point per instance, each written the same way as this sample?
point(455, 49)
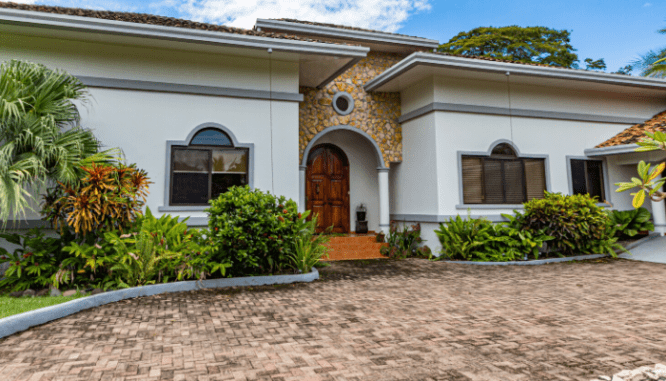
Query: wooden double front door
point(327, 187)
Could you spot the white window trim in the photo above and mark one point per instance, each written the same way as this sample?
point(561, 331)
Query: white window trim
point(604, 170)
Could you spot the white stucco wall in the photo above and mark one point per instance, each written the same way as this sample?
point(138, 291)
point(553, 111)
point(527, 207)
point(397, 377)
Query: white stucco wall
point(363, 179)
point(141, 122)
point(427, 181)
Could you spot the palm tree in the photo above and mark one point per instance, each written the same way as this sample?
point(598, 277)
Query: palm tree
point(652, 63)
point(41, 140)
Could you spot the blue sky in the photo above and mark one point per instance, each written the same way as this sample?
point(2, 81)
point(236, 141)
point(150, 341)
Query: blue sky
point(616, 30)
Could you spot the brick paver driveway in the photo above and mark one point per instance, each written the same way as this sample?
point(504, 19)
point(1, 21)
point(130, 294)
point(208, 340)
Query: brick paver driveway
point(405, 320)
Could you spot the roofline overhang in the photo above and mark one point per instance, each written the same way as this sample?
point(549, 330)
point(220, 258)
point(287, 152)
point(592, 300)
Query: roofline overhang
point(92, 25)
point(437, 60)
point(347, 34)
point(613, 150)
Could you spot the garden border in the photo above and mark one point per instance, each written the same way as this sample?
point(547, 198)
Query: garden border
point(534, 262)
point(17, 323)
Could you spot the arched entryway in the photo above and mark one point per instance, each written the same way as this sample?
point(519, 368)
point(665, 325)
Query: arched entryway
point(368, 175)
point(327, 187)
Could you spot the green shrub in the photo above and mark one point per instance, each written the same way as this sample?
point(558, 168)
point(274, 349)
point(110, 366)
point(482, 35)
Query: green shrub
point(155, 250)
point(629, 223)
point(403, 243)
point(481, 240)
point(308, 247)
point(254, 231)
point(34, 263)
point(576, 223)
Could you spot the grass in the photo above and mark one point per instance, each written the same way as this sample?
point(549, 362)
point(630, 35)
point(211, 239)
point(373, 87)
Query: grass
point(11, 306)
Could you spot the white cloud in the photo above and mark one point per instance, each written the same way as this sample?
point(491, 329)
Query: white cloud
point(24, 1)
point(647, 5)
point(386, 15)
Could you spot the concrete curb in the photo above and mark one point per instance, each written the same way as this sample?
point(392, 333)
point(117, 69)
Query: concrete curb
point(641, 241)
point(17, 323)
point(532, 263)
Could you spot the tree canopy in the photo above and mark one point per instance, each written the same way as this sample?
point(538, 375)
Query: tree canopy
point(535, 44)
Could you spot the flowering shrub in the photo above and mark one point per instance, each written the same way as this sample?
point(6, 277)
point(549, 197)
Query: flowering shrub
point(254, 231)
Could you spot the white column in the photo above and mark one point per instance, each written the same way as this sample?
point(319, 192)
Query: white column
point(301, 187)
point(384, 216)
point(659, 216)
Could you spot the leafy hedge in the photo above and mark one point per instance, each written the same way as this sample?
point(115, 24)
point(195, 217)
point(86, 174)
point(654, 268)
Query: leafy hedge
point(576, 223)
point(255, 232)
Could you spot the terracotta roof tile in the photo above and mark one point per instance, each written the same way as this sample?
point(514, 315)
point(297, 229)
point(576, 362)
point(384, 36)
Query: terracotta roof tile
point(636, 132)
point(142, 18)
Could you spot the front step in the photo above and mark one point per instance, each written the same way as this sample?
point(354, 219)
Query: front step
point(353, 247)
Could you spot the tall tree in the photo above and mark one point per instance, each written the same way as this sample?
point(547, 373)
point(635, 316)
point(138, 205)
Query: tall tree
point(40, 136)
point(535, 44)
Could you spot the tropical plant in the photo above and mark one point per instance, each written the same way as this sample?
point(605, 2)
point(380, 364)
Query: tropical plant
point(577, 223)
point(308, 247)
point(652, 63)
point(33, 263)
point(254, 231)
point(40, 136)
point(403, 242)
point(155, 250)
point(481, 240)
point(523, 44)
point(649, 181)
point(629, 223)
point(108, 198)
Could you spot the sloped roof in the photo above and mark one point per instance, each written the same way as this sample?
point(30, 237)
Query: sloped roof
point(636, 132)
point(142, 18)
point(343, 27)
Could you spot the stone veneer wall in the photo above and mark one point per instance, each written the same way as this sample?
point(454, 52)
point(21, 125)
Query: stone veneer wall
point(375, 113)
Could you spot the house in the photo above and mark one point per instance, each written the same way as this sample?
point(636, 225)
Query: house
point(335, 116)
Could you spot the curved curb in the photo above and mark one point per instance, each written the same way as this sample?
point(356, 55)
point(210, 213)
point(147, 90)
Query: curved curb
point(17, 323)
point(532, 263)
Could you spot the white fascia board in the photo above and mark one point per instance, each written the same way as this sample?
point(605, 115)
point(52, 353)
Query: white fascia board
point(88, 24)
point(343, 33)
point(438, 60)
point(614, 150)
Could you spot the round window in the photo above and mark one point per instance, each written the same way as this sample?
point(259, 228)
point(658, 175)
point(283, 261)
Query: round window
point(343, 103)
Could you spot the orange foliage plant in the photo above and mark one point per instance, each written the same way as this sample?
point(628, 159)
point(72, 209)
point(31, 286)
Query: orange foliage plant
point(108, 198)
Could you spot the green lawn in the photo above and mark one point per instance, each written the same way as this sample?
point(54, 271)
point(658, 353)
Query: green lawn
point(12, 306)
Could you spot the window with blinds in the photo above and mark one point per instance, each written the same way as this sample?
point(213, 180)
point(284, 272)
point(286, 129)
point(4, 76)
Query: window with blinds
point(587, 178)
point(502, 178)
point(206, 168)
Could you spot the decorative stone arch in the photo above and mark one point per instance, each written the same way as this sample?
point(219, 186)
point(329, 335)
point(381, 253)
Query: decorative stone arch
point(382, 172)
point(313, 142)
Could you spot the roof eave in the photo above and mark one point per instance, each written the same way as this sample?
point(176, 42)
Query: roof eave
point(429, 59)
point(87, 24)
point(613, 150)
point(343, 33)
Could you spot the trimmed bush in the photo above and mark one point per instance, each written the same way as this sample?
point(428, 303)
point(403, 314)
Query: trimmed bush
point(576, 223)
point(254, 231)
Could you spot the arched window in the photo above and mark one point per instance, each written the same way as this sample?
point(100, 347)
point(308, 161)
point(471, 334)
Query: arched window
point(207, 167)
point(503, 177)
